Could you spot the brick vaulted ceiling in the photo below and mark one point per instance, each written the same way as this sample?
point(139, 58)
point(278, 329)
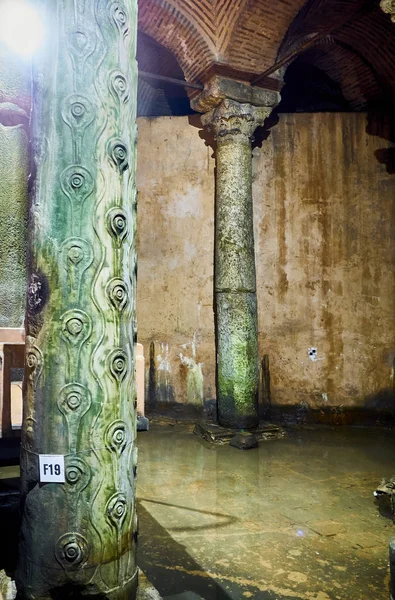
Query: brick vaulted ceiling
point(242, 35)
point(243, 38)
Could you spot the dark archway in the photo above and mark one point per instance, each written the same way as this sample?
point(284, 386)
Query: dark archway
point(157, 98)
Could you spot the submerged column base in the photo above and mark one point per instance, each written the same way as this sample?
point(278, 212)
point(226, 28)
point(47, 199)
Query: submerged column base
point(85, 584)
point(138, 585)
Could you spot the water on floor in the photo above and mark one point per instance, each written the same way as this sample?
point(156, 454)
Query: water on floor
point(293, 519)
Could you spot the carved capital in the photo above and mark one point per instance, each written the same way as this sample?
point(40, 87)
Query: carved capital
point(219, 88)
point(237, 120)
point(388, 6)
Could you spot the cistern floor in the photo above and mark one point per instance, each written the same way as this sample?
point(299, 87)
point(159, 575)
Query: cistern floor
point(292, 519)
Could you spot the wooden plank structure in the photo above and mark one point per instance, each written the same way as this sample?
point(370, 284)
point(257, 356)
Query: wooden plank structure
point(12, 356)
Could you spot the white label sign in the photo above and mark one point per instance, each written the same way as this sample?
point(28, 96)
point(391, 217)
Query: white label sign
point(52, 468)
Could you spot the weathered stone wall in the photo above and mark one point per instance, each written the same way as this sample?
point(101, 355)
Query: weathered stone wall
point(324, 206)
point(175, 179)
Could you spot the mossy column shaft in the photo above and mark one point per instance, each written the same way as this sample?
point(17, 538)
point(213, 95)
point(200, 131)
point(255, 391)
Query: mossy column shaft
point(235, 280)
point(78, 538)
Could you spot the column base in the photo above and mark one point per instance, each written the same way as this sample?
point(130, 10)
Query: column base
point(215, 434)
point(126, 591)
point(240, 422)
point(142, 423)
point(145, 590)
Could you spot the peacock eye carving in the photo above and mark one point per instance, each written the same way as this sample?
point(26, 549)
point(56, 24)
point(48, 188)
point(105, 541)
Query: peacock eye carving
point(117, 223)
point(76, 326)
point(118, 362)
point(74, 398)
point(118, 153)
point(77, 183)
point(71, 550)
point(117, 436)
point(116, 509)
point(117, 293)
point(120, 16)
point(119, 86)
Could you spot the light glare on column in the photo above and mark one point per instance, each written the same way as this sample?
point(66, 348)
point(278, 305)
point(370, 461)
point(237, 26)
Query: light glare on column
point(21, 28)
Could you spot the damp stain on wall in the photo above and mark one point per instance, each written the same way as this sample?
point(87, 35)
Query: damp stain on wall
point(324, 245)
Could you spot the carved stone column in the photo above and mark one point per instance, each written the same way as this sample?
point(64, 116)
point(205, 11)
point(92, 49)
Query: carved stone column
point(235, 281)
point(78, 538)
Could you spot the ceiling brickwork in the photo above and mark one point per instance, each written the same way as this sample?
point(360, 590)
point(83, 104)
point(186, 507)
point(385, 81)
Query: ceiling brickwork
point(356, 79)
point(361, 55)
point(186, 39)
point(254, 42)
point(243, 35)
point(243, 38)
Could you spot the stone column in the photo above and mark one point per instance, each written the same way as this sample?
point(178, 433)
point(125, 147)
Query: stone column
point(235, 281)
point(14, 111)
point(78, 537)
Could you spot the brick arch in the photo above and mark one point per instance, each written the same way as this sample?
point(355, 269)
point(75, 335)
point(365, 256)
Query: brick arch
point(372, 37)
point(357, 79)
point(362, 54)
point(241, 35)
point(259, 30)
point(168, 26)
point(243, 38)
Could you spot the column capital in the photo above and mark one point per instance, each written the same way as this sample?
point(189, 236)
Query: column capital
point(234, 119)
point(220, 88)
point(388, 6)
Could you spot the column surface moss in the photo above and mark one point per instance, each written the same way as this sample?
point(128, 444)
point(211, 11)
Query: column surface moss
point(78, 538)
